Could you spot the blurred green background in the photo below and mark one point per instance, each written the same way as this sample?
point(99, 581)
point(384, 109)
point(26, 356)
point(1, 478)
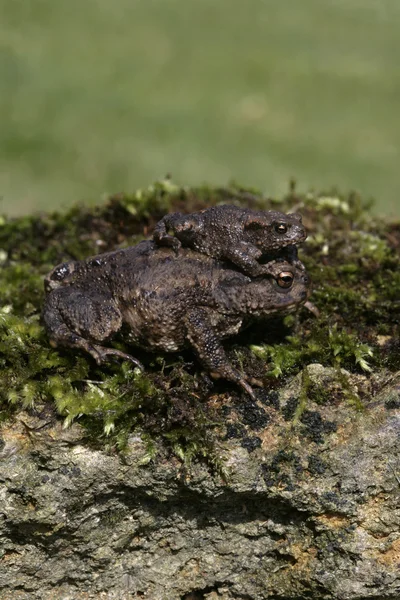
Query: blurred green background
point(100, 96)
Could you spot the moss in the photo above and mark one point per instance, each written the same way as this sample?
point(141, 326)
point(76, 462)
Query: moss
point(327, 345)
point(354, 263)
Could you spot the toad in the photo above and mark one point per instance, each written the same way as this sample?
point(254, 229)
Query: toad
point(241, 235)
point(163, 302)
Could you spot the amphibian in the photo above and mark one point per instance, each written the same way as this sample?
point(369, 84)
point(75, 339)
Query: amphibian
point(163, 302)
point(240, 235)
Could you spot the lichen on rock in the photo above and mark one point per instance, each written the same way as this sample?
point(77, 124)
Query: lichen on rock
point(167, 485)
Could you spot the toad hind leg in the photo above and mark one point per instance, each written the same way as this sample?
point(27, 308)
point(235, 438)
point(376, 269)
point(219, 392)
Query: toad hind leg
point(100, 353)
point(202, 337)
point(72, 330)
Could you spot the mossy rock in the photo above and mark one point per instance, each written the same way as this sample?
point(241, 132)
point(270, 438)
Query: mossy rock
point(292, 479)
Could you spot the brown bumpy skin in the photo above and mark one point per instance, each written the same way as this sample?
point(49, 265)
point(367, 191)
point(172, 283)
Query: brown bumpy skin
point(164, 302)
point(239, 235)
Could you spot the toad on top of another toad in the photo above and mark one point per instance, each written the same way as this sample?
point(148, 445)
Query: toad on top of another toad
point(162, 301)
point(240, 235)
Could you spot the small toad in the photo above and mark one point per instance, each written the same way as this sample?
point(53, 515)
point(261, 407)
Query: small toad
point(240, 235)
point(160, 301)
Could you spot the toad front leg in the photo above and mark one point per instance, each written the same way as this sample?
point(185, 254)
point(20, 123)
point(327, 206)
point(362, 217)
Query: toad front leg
point(75, 320)
point(202, 336)
point(246, 257)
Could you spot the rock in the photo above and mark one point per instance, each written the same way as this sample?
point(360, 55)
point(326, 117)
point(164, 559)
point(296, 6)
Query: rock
point(312, 512)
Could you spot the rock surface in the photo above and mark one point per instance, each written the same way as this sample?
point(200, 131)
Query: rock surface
point(312, 512)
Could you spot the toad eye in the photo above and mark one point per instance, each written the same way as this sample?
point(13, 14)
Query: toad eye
point(285, 279)
point(280, 227)
point(60, 272)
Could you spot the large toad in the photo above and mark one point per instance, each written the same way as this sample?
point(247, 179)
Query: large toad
point(162, 301)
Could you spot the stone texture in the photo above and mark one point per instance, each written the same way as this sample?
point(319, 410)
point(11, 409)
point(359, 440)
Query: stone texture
point(310, 507)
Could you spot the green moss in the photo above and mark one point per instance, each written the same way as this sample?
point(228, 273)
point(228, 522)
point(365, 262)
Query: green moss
point(303, 398)
point(329, 346)
point(319, 393)
point(354, 264)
